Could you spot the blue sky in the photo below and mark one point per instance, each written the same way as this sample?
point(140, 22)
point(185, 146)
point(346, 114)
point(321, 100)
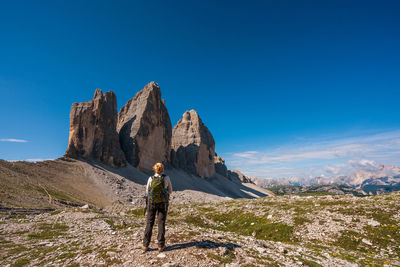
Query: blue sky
point(268, 77)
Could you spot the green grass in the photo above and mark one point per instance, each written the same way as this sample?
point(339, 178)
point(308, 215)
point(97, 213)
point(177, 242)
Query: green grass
point(41, 252)
point(66, 255)
point(383, 235)
point(382, 216)
point(56, 195)
point(173, 214)
point(3, 241)
point(21, 262)
point(346, 257)
point(352, 211)
point(120, 226)
point(17, 249)
point(196, 220)
point(206, 209)
point(301, 220)
point(245, 224)
point(53, 227)
point(109, 261)
point(55, 212)
point(226, 259)
point(49, 231)
point(349, 240)
point(341, 203)
point(309, 263)
point(137, 212)
point(87, 250)
point(317, 193)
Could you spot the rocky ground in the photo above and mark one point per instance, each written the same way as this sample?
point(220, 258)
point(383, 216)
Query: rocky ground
point(323, 189)
point(270, 231)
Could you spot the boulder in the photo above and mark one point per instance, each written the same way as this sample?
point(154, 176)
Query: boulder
point(193, 146)
point(92, 133)
point(144, 129)
point(220, 166)
point(238, 176)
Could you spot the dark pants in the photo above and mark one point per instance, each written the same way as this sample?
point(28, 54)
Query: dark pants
point(161, 211)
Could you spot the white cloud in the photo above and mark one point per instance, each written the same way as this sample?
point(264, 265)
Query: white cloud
point(13, 140)
point(246, 154)
point(365, 165)
point(301, 154)
point(329, 157)
point(332, 170)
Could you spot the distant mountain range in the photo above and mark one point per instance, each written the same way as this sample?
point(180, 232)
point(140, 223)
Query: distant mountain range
point(383, 179)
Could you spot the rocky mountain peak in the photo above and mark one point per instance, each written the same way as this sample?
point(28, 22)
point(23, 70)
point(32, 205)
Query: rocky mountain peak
point(220, 166)
point(238, 176)
point(92, 132)
point(191, 130)
point(98, 93)
point(142, 135)
point(193, 146)
point(144, 128)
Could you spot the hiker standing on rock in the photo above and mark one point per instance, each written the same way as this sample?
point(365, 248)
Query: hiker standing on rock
point(158, 189)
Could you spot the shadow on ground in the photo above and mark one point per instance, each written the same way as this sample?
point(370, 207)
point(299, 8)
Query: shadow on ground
point(181, 180)
point(202, 244)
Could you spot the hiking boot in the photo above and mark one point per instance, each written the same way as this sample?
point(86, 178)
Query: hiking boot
point(145, 248)
point(161, 249)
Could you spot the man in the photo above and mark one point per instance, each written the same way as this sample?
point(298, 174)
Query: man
point(158, 190)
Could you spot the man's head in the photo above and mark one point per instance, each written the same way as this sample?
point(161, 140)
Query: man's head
point(158, 168)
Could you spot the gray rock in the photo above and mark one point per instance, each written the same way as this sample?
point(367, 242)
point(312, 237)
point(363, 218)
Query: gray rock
point(366, 241)
point(373, 223)
point(92, 133)
point(161, 255)
point(144, 128)
point(236, 175)
point(261, 250)
point(220, 166)
point(193, 146)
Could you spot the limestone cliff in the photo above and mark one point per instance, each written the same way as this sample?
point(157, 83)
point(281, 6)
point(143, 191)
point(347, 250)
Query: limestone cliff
point(193, 146)
point(220, 166)
point(92, 133)
point(144, 128)
point(236, 175)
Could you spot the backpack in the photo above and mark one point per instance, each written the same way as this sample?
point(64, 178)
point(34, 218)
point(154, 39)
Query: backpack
point(157, 192)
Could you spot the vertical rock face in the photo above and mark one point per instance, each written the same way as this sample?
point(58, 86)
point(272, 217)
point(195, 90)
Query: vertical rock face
point(220, 166)
point(193, 146)
point(144, 129)
point(92, 133)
